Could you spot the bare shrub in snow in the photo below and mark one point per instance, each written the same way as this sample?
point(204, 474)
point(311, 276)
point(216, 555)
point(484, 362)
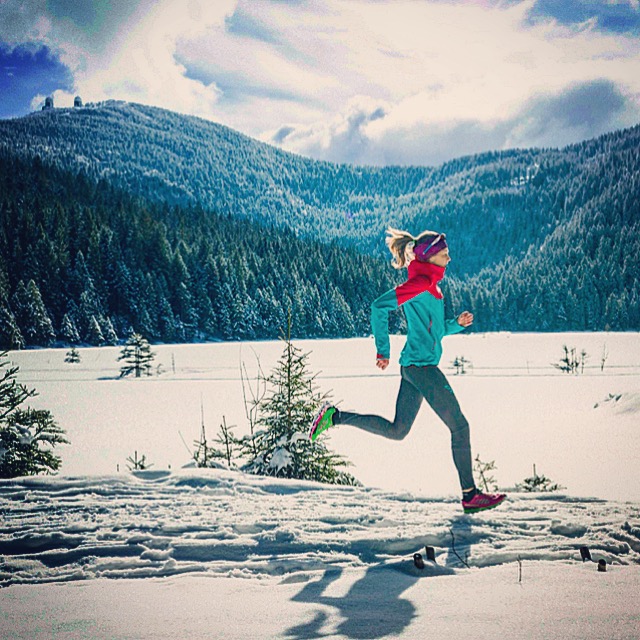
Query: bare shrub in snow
point(570, 361)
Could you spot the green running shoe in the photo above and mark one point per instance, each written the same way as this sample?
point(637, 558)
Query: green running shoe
point(322, 422)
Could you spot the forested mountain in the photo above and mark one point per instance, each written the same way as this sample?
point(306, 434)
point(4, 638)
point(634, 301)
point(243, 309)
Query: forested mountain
point(85, 262)
point(541, 239)
point(185, 160)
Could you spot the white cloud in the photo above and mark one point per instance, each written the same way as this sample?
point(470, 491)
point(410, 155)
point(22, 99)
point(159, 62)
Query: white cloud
point(454, 78)
point(357, 81)
point(132, 58)
point(141, 66)
point(342, 139)
point(23, 21)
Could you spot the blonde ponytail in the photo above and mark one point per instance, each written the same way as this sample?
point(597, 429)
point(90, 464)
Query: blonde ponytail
point(398, 243)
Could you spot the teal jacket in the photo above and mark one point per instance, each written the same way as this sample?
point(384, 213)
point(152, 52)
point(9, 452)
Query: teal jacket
point(423, 305)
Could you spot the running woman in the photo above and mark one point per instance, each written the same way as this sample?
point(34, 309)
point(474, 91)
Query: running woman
point(426, 258)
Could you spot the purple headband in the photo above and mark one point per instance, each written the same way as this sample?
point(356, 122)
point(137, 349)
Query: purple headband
point(429, 247)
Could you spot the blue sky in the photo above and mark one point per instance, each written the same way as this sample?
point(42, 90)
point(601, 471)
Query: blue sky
point(28, 70)
point(363, 81)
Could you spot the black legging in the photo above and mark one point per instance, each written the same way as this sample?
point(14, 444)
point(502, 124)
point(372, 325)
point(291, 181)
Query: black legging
point(418, 383)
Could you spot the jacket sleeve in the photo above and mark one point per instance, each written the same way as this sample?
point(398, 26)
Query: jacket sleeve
point(451, 326)
point(380, 309)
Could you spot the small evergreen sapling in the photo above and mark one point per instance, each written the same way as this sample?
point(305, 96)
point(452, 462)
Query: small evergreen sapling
point(207, 455)
point(138, 464)
point(203, 455)
point(27, 436)
point(229, 443)
point(72, 356)
point(483, 471)
point(137, 356)
point(281, 444)
point(536, 483)
point(460, 363)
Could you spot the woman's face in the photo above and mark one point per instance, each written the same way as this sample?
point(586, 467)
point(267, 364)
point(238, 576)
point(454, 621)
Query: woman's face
point(441, 259)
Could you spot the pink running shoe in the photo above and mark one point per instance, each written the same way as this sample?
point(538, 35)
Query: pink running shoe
point(483, 501)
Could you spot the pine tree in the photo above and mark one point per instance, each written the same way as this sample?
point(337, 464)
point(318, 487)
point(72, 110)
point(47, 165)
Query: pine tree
point(22, 437)
point(69, 330)
point(109, 332)
point(166, 321)
point(137, 356)
point(10, 334)
point(12, 394)
point(94, 333)
point(31, 315)
point(27, 436)
point(284, 415)
point(89, 309)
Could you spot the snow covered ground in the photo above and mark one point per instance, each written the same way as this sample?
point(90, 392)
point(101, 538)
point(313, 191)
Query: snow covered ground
point(522, 410)
point(206, 553)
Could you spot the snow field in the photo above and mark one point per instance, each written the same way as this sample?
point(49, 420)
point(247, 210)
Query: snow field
point(213, 553)
point(521, 410)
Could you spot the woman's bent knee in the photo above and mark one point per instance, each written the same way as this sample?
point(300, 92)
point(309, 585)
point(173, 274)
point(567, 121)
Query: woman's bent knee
point(399, 432)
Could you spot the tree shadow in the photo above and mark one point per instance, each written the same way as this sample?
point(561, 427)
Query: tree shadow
point(373, 607)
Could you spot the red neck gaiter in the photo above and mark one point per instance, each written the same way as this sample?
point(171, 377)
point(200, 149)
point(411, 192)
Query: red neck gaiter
point(431, 272)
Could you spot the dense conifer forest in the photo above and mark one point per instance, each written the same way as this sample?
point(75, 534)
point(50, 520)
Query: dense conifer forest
point(83, 262)
point(120, 216)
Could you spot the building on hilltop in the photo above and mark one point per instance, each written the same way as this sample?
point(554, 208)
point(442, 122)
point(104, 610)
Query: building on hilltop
point(77, 101)
point(48, 103)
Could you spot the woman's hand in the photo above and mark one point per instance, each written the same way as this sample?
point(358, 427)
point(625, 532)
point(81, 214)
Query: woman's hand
point(465, 319)
point(382, 363)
